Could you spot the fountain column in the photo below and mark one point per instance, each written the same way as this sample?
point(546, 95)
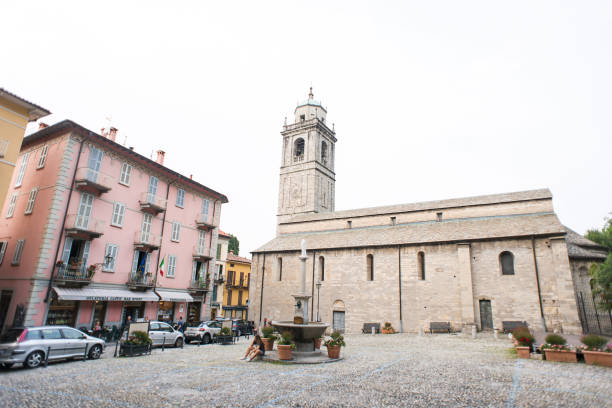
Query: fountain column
point(302, 299)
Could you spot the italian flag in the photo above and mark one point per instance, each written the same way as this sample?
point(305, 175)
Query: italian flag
point(161, 266)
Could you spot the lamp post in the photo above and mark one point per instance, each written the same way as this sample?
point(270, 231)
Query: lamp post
point(318, 300)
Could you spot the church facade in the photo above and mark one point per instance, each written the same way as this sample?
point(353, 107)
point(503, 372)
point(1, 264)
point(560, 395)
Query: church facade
point(469, 261)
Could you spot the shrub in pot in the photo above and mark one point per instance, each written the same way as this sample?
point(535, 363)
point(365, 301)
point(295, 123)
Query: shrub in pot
point(596, 350)
point(387, 328)
point(334, 343)
point(523, 340)
point(284, 346)
point(317, 342)
point(268, 338)
point(138, 343)
point(555, 349)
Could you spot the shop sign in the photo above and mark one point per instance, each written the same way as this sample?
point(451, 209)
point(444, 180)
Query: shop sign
point(115, 298)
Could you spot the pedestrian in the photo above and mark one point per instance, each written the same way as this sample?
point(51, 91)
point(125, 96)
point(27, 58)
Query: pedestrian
point(180, 326)
point(259, 351)
point(97, 330)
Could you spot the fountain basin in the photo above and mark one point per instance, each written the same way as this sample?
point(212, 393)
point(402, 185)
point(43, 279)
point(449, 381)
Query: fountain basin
point(302, 334)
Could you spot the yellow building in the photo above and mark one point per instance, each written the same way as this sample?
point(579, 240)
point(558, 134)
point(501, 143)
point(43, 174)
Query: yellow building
point(15, 113)
point(236, 293)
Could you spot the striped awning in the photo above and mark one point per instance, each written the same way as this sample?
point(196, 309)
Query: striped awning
point(115, 295)
point(174, 296)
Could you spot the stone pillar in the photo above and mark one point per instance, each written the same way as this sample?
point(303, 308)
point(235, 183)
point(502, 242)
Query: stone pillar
point(568, 310)
point(464, 276)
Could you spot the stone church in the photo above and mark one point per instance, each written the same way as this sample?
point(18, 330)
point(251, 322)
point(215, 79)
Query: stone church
point(469, 261)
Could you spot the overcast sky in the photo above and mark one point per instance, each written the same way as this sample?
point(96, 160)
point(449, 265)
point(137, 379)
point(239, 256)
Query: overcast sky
point(431, 99)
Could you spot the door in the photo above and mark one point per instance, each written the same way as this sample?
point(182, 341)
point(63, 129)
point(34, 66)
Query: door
point(168, 334)
point(5, 302)
point(152, 191)
point(155, 334)
point(84, 211)
point(338, 321)
point(54, 343)
point(93, 164)
point(75, 343)
point(486, 316)
point(146, 228)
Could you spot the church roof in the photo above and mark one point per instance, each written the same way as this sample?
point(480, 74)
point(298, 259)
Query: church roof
point(428, 232)
point(580, 247)
point(427, 205)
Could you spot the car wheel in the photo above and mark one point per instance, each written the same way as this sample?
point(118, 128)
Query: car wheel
point(206, 338)
point(95, 352)
point(34, 359)
point(178, 342)
point(7, 365)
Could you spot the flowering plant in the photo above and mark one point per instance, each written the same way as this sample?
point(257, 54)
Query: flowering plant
point(556, 347)
point(595, 343)
point(521, 337)
point(607, 349)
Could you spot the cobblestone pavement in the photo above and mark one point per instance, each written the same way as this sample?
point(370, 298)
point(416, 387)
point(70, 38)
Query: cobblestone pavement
point(378, 371)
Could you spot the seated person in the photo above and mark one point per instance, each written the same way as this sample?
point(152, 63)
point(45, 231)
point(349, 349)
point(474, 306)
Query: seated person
point(249, 349)
point(259, 350)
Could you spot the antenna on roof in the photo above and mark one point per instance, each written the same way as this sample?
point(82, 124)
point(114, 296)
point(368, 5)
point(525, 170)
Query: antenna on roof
point(125, 140)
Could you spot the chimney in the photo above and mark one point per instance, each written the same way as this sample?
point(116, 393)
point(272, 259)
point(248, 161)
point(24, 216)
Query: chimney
point(191, 176)
point(131, 147)
point(160, 157)
point(231, 251)
point(112, 134)
point(42, 125)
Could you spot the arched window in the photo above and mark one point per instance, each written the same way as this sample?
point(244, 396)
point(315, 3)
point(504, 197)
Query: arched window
point(298, 150)
point(279, 267)
point(321, 268)
point(506, 260)
point(370, 267)
point(421, 265)
point(324, 153)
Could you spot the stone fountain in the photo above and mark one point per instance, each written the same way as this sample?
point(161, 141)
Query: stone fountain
point(302, 329)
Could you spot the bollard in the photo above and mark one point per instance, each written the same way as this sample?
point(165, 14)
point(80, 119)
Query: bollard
point(373, 330)
point(420, 331)
point(496, 334)
point(47, 356)
point(473, 332)
point(163, 342)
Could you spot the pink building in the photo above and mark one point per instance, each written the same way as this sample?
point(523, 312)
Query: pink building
point(86, 223)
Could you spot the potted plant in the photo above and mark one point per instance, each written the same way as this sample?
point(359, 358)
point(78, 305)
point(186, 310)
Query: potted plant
point(334, 343)
point(137, 344)
point(268, 338)
point(523, 339)
point(225, 336)
point(555, 349)
point(387, 328)
point(284, 346)
point(596, 350)
point(317, 342)
point(91, 270)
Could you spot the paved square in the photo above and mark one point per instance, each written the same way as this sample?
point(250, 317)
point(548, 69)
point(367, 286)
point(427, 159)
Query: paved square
point(382, 370)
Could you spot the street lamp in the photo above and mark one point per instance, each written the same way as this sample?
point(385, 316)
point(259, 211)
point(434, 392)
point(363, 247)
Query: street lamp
point(318, 300)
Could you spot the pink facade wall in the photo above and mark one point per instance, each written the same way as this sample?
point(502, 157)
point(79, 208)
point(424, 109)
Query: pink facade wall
point(85, 314)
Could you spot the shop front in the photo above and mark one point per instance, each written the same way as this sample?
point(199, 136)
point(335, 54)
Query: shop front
point(62, 312)
point(172, 305)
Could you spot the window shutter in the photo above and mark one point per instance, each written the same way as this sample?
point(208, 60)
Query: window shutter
point(135, 262)
point(67, 248)
point(43, 157)
point(85, 254)
point(148, 262)
point(3, 246)
point(194, 270)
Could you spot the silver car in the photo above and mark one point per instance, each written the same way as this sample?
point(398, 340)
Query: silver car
point(163, 333)
point(204, 332)
point(30, 345)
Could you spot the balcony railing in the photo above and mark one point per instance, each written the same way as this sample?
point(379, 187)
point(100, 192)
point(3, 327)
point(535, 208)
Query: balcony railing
point(147, 241)
point(204, 221)
point(140, 280)
point(201, 253)
point(199, 285)
point(79, 226)
point(151, 203)
point(74, 275)
point(239, 285)
point(92, 181)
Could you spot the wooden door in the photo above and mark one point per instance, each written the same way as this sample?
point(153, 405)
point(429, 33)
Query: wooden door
point(338, 323)
point(486, 316)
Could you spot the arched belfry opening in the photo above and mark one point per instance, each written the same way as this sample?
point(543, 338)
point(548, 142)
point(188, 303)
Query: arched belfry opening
point(298, 150)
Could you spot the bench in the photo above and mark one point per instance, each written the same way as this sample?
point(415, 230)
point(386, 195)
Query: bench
point(510, 325)
point(367, 328)
point(439, 326)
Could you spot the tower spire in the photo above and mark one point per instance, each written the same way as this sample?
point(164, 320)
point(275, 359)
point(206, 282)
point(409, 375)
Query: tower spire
point(310, 95)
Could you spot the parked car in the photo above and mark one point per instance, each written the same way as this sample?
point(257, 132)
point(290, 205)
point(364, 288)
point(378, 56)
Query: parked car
point(204, 332)
point(162, 333)
point(29, 345)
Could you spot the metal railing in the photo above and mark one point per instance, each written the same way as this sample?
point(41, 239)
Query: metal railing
point(94, 176)
point(199, 284)
point(199, 251)
point(83, 223)
point(147, 238)
point(141, 278)
point(153, 200)
point(204, 219)
point(74, 272)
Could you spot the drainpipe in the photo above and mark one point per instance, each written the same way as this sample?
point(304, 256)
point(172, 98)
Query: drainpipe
point(263, 272)
point(399, 268)
point(161, 238)
point(313, 279)
point(537, 274)
point(59, 241)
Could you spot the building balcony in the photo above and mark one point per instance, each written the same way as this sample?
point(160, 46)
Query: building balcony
point(237, 285)
point(219, 279)
point(73, 275)
point(92, 181)
point(146, 242)
point(152, 204)
point(203, 221)
point(140, 281)
point(81, 227)
point(201, 254)
point(198, 285)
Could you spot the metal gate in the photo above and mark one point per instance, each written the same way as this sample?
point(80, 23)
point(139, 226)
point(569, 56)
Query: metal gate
point(592, 319)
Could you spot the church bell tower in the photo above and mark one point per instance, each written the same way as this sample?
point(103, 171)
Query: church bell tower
point(307, 178)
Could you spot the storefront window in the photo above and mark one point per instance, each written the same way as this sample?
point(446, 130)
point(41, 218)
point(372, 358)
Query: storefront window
point(193, 312)
point(133, 309)
point(99, 313)
point(166, 312)
point(62, 312)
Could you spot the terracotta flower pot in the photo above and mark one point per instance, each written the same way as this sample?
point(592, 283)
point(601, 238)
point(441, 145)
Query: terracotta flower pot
point(317, 343)
point(598, 357)
point(333, 351)
point(284, 351)
point(268, 344)
point(523, 351)
point(563, 356)
point(387, 331)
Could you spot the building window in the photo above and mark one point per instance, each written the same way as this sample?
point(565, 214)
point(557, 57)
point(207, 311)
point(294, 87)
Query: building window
point(205, 205)
point(321, 268)
point(229, 297)
point(110, 257)
point(506, 260)
point(3, 245)
point(324, 153)
point(298, 150)
point(43, 157)
point(180, 198)
point(126, 172)
point(176, 230)
point(421, 265)
point(22, 169)
point(145, 231)
point(349, 224)
point(11, 207)
point(201, 241)
point(439, 216)
point(118, 214)
point(18, 251)
point(31, 201)
point(279, 268)
point(370, 267)
point(171, 265)
point(218, 251)
point(239, 298)
point(393, 220)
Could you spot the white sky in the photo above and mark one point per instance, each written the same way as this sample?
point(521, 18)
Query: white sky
point(431, 99)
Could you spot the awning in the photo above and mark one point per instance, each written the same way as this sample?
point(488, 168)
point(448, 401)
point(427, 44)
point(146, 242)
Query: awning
point(171, 296)
point(105, 294)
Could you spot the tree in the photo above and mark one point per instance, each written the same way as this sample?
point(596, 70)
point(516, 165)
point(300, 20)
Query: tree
point(602, 272)
point(233, 245)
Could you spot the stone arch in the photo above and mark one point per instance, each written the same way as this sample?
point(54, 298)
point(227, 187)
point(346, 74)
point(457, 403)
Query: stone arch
point(298, 149)
point(338, 305)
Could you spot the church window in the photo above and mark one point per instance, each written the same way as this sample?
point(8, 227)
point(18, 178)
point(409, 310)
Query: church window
point(370, 267)
point(421, 265)
point(349, 224)
point(439, 216)
point(393, 220)
point(324, 153)
point(321, 268)
point(506, 260)
point(302, 117)
point(279, 267)
point(298, 150)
